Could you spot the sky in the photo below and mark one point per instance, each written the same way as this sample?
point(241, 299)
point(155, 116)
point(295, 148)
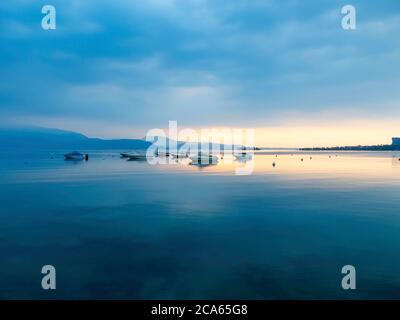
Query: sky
point(287, 69)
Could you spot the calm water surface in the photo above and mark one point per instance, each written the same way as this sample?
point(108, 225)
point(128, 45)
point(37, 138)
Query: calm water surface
point(123, 229)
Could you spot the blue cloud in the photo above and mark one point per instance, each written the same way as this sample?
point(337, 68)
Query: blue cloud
point(142, 63)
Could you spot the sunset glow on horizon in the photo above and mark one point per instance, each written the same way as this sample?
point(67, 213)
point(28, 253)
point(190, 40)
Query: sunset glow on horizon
point(350, 133)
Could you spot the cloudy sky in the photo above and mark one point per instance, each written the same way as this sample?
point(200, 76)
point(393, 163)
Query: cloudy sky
point(287, 68)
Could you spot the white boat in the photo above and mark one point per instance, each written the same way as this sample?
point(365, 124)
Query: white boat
point(136, 155)
point(243, 156)
point(74, 156)
point(179, 155)
point(203, 158)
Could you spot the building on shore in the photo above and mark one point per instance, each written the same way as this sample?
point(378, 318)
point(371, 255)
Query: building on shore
point(395, 141)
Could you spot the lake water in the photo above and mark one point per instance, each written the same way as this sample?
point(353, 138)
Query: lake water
point(124, 229)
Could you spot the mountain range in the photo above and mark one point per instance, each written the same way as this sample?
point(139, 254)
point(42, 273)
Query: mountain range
point(47, 138)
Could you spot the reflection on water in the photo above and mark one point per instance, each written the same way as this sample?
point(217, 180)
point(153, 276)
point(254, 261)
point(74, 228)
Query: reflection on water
point(202, 164)
point(126, 229)
point(372, 166)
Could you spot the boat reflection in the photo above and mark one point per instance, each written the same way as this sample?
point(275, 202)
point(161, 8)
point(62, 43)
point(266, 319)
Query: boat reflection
point(244, 158)
point(202, 165)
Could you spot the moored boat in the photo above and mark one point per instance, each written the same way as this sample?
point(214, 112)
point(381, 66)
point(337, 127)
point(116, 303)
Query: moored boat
point(243, 156)
point(124, 155)
point(136, 156)
point(203, 158)
point(75, 155)
point(179, 155)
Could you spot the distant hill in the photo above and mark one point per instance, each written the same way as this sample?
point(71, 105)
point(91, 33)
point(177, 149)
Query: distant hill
point(45, 138)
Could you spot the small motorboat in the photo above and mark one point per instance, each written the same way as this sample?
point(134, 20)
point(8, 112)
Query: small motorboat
point(136, 156)
point(75, 155)
point(124, 155)
point(179, 155)
point(243, 156)
point(203, 158)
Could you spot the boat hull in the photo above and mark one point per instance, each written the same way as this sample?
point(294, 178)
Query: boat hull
point(204, 159)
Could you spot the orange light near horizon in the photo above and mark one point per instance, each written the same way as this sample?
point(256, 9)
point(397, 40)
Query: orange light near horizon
point(313, 135)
